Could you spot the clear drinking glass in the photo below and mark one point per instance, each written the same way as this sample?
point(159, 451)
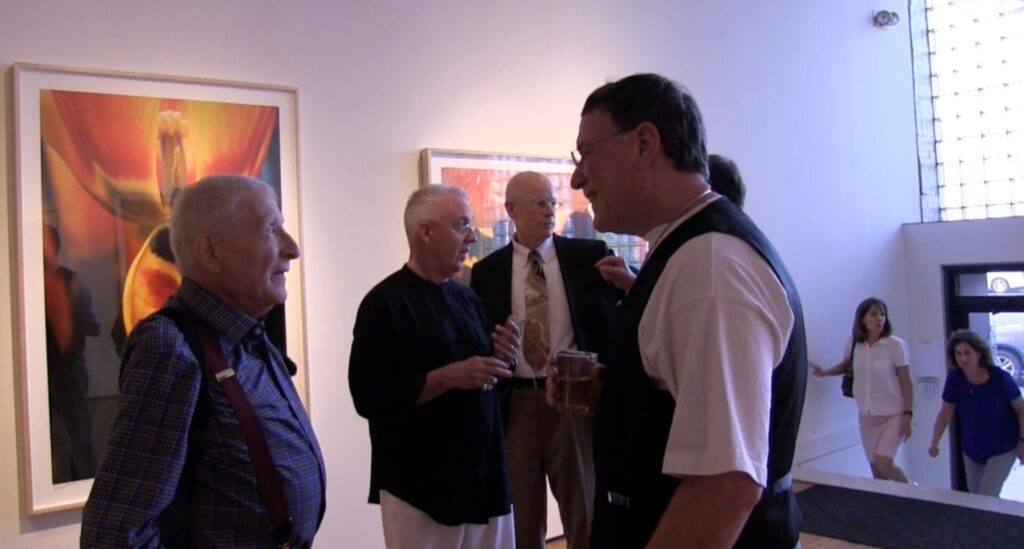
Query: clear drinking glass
point(575, 379)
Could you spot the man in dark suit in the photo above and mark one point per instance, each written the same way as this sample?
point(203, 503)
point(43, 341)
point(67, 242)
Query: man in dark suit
point(551, 286)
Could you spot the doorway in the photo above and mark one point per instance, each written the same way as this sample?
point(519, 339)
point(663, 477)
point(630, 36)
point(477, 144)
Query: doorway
point(988, 300)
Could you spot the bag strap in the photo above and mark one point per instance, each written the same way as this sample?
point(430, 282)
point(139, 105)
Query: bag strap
point(267, 480)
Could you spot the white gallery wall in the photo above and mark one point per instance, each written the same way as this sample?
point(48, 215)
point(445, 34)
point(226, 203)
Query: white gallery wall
point(813, 103)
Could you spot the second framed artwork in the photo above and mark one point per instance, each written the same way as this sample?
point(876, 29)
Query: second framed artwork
point(484, 176)
point(99, 158)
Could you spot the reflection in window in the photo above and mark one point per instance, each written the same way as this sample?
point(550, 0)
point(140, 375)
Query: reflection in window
point(991, 283)
point(1005, 335)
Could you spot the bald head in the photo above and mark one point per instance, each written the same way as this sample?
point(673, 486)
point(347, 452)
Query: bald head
point(522, 183)
point(530, 202)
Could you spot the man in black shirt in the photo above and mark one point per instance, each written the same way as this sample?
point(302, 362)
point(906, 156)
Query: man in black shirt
point(422, 371)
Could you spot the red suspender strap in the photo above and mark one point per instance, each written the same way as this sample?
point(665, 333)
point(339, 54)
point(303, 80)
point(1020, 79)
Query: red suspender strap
point(268, 482)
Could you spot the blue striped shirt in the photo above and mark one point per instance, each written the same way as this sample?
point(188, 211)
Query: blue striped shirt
point(165, 481)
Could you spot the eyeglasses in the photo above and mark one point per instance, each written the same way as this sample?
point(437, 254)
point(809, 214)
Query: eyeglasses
point(462, 228)
point(579, 156)
point(543, 204)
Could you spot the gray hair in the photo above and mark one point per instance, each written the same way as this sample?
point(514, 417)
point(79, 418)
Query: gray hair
point(423, 204)
point(208, 207)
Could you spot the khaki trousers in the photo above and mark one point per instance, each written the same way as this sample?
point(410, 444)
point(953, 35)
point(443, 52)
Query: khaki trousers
point(545, 445)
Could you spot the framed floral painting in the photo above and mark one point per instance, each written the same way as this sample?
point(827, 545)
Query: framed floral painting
point(484, 177)
point(99, 156)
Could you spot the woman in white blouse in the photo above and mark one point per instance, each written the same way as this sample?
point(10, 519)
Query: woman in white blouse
point(881, 386)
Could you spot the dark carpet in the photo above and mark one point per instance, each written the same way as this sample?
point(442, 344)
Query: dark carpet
point(891, 521)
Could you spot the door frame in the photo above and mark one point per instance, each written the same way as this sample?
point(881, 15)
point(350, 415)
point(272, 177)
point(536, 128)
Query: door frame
point(958, 309)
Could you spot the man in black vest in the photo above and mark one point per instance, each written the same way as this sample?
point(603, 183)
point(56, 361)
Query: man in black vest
point(696, 427)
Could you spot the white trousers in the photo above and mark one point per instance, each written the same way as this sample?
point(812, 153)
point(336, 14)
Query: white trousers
point(406, 527)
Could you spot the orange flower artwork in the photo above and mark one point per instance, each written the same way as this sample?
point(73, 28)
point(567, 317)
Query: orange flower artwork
point(100, 158)
point(112, 165)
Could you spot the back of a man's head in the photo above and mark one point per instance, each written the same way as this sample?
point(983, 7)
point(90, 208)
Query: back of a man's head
point(208, 207)
point(726, 180)
point(660, 101)
point(51, 234)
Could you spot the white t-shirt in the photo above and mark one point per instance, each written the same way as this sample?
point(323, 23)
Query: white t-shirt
point(716, 326)
point(875, 385)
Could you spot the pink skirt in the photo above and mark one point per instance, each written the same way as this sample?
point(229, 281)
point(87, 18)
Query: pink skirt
point(880, 435)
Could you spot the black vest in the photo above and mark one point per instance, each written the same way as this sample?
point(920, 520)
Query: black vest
point(634, 416)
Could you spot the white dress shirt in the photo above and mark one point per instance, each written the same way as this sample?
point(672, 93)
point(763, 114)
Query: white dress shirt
point(559, 321)
point(876, 387)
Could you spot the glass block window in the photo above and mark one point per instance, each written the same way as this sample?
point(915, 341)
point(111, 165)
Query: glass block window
point(973, 78)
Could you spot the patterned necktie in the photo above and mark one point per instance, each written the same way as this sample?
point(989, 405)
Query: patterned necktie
point(537, 336)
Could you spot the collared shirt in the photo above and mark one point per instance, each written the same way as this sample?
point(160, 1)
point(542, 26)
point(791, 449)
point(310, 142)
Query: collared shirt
point(165, 480)
point(876, 388)
point(559, 321)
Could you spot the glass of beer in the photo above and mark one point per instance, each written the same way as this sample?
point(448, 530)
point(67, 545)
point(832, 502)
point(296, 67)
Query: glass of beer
point(575, 378)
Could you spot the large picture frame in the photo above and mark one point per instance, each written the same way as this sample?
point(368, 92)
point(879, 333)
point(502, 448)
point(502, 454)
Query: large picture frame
point(484, 176)
point(99, 155)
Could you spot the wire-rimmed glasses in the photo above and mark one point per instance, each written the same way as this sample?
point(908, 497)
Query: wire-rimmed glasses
point(579, 155)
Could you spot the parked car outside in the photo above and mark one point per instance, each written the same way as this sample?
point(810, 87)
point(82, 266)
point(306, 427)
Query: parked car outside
point(1001, 282)
point(1008, 344)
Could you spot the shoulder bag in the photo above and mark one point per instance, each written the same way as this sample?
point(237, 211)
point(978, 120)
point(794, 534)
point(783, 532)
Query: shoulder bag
point(848, 374)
